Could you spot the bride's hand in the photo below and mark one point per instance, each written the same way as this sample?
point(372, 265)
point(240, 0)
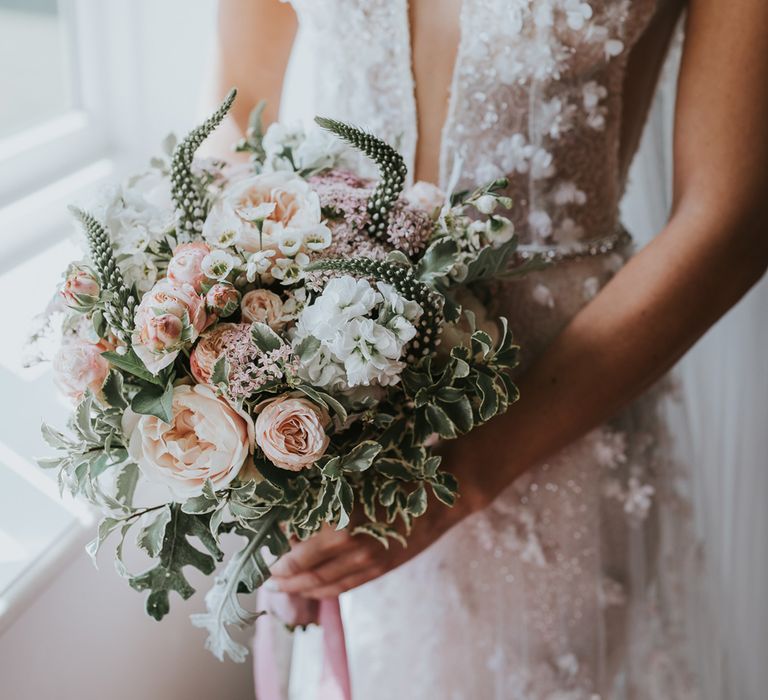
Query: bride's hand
point(332, 562)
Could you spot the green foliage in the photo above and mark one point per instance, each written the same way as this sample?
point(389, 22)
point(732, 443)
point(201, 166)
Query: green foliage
point(392, 170)
point(264, 337)
point(176, 552)
point(254, 135)
point(95, 445)
point(154, 400)
point(130, 362)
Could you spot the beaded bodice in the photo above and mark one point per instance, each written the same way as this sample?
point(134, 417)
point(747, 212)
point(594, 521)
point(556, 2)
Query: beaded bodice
point(537, 96)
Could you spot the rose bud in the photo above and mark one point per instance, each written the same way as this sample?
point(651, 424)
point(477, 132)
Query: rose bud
point(81, 288)
point(222, 299)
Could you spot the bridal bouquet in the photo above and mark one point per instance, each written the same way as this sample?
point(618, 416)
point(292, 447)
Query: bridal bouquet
point(257, 350)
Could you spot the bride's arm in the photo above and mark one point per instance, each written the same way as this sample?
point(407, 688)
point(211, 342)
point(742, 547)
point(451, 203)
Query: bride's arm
point(714, 248)
point(254, 40)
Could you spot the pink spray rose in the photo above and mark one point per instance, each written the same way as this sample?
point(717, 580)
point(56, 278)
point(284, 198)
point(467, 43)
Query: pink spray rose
point(263, 306)
point(207, 438)
point(169, 317)
point(290, 430)
point(79, 367)
point(81, 288)
point(185, 266)
point(222, 299)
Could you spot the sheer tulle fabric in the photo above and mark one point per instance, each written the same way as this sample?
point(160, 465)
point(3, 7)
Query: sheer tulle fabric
point(577, 583)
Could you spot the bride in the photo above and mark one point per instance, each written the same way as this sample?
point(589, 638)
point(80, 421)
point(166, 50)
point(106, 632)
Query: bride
point(564, 571)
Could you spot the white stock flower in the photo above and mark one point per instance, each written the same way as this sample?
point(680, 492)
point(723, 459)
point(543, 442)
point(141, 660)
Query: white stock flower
point(343, 299)
point(354, 348)
point(369, 352)
point(408, 308)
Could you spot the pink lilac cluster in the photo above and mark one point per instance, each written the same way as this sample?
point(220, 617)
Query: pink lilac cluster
point(251, 368)
point(344, 197)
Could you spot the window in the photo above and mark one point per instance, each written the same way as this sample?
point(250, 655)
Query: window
point(88, 89)
point(34, 32)
point(53, 146)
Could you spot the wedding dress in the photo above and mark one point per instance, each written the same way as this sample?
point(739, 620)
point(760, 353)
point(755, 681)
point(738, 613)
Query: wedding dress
point(573, 584)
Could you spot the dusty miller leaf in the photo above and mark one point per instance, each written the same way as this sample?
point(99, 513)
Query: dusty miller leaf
point(176, 553)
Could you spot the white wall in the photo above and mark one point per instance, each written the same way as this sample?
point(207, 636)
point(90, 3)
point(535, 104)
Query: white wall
point(86, 636)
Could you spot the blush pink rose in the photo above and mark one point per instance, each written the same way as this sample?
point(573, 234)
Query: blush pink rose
point(209, 348)
point(185, 266)
point(263, 306)
point(207, 438)
point(290, 430)
point(169, 317)
point(79, 367)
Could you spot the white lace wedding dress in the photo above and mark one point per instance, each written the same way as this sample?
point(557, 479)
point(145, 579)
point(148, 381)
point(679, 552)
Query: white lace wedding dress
point(571, 585)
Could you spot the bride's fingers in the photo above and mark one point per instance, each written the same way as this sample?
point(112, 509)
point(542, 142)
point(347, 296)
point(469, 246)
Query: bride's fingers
point(347, 583)
point(308, 554)
point(332, 570)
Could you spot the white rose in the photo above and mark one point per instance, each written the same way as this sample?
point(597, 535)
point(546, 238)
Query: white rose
point(206, 439)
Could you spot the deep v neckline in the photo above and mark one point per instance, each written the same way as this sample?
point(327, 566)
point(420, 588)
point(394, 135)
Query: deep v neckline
point(444, 165)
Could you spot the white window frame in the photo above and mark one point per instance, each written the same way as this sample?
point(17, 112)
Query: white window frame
point(46, 167)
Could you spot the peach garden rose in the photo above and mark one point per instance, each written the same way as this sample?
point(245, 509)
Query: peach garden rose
point(208, 349)
point(207, 438)
point(263, 306)
point(290, 430)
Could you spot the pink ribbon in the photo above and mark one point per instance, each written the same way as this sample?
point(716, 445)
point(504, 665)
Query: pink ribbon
point(296, 611)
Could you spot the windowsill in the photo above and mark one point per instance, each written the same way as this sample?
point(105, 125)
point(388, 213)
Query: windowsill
point(39, 531)
point(53, 531)
point(40, 219)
